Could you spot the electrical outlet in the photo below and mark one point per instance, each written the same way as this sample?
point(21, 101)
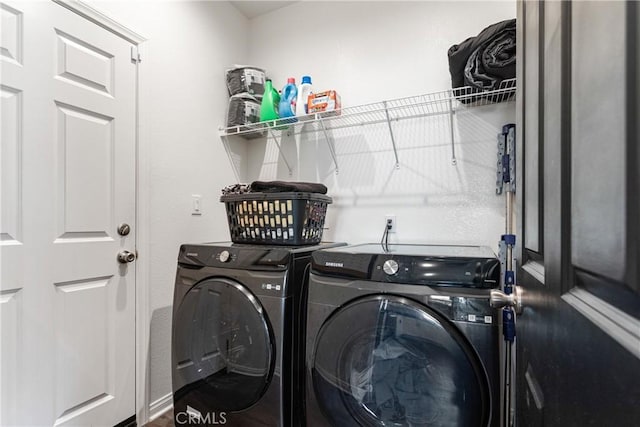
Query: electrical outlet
point(391, 220)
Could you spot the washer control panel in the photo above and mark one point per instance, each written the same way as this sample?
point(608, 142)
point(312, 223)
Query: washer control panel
point(435, 271)
point(433, 265)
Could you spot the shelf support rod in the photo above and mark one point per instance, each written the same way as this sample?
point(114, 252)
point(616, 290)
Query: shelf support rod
point(393, 139)
point(225, 142)
point(275, 139)
point(332, 148)
point(451, 113)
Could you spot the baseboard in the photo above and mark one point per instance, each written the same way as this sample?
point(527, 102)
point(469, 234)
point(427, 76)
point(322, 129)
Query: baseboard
point(160, 406)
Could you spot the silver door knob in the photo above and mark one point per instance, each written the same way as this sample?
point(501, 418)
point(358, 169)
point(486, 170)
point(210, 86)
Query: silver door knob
point(125, 257)
point(499, 299)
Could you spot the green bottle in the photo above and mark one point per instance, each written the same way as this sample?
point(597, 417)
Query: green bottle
point(270, 100)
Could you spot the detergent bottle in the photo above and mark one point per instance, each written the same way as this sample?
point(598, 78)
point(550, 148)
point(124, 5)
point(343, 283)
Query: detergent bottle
point(287, 106)
point(303, 94)
point(270, 100)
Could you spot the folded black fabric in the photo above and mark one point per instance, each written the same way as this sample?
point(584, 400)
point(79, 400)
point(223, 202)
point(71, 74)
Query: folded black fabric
point(484, 61)
point(287, 186)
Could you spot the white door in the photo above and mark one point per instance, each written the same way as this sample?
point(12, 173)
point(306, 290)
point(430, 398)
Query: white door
point(68, 180)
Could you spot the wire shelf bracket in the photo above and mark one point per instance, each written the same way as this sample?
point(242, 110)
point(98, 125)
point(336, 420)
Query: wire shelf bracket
point(453, 138)
point(278, 144)
point(393, 139)
point(332, 148)
point(227, 148)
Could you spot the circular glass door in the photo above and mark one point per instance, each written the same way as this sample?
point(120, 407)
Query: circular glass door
point(389, 361)
point(223, 346)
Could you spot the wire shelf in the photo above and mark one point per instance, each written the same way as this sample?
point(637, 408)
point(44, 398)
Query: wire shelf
point(436, 103)
point(446, 102)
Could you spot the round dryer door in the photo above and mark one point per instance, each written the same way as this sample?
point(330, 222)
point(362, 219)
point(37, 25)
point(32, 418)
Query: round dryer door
point(223, 346)
point(390, 361)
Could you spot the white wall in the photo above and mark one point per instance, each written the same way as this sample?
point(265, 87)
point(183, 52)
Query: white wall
point(368, 52)
point(183, 101)
point(371, 51)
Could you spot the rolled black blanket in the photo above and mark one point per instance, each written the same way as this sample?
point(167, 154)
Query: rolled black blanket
point(484, 61)
point(287, 186)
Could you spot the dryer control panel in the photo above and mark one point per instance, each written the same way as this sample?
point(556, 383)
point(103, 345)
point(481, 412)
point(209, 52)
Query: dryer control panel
point(253, 258)
point(243, 256)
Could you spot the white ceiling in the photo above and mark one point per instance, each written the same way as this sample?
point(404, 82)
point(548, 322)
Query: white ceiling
point(252, 9)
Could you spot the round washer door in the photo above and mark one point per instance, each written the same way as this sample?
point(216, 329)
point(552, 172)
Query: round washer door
point(223, 346)
point(386, 360)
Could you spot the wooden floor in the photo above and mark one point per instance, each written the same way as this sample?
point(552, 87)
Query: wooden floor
point(164, 420)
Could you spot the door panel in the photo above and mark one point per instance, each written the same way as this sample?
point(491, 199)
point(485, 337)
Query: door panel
point(84, 351)
point(532, 129)
point(12, 37)
point(10, 230)
point(10, 327)
point(68, 178)
point(578, 346)
point(85, 173)
point(84, 65)
point(598, 173)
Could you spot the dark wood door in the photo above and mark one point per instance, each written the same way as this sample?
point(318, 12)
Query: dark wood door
point(578, 342)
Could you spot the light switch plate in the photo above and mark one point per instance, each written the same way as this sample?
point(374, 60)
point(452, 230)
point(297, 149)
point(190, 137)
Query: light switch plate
point(196, 204)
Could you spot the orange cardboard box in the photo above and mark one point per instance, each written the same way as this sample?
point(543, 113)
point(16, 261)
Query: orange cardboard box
point(324, 101)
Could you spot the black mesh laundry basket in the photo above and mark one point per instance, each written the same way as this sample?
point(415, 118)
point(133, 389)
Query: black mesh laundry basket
point(276, 218)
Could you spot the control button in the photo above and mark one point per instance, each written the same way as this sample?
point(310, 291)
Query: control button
point(390, 267)
point(224, 256)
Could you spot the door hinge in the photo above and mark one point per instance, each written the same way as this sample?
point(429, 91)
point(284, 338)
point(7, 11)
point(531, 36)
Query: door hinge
point(135, 55)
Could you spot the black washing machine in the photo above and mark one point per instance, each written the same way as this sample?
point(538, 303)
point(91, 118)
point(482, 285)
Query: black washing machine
point(404, 337)
point(235, 354)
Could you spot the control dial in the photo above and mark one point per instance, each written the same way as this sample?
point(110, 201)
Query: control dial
point(224, 256)
point(390, 267)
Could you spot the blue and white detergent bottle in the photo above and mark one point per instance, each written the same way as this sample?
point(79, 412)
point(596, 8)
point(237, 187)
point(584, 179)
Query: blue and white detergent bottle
point(303, 95)
point(287, 106)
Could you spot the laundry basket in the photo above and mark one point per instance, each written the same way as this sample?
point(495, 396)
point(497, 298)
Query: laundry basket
point(276, 218)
